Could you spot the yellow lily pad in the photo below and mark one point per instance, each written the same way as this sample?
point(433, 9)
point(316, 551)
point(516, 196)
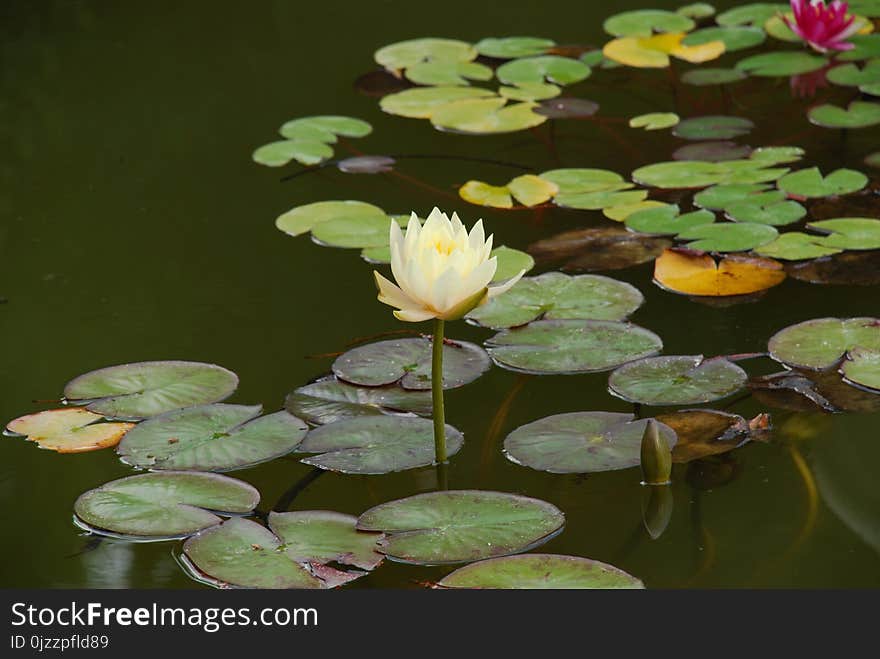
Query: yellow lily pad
point(654, 120)
point(531, 190)
point(697, 273)
point(654, 51)
point(483, 194)
point(69, 430)
point(620, 213)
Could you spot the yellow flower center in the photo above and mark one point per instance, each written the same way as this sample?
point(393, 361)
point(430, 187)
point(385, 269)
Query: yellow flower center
point(443, 247)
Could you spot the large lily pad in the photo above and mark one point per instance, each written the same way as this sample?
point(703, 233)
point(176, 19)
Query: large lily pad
point(486, 116)
point(728, 236)
point(145, 389)
point(734, 37)
point(864, 47)
point(303, 219)
point(581, 442)
point(712, 128)
point(676, 380)
point(447, 73)
point(545, 68)
point(709, 76)
point(305, 152)
point(595, 201)
point(571, 346)
point(695, 273)
point(771, 208)
point(712, 151)
point(404, 54)
point(699, 174)
point(810, 182)
point(719, 197)
point(218, 437)
point(852, 76)
point(858, 114)
point(554, 295)
point(845, 269)
point(643, 22)
point(755, 13)
point(862, 368)
point(821, 343)
point(849, 232)
point(160, 506)
point(795, 245)
point(376, 445)
point(539, 571)
point(666, 221)
point(581, 180)
point(598, 248)
point(460, 526)
point(781, 64)
point(68, 430)
point(702, 432)
point(325, 128)
point(295, 553)
point(513, 47)
point(423, 102)
point(329, 400)
point(408, 362)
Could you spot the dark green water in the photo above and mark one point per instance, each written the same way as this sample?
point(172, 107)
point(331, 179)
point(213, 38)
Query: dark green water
point(135, 227)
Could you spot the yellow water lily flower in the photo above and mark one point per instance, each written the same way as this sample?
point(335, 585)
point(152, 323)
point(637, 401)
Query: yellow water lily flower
point(441, 271)
point(654, 51)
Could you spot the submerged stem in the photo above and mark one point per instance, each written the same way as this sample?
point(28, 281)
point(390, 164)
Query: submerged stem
point(437, 394)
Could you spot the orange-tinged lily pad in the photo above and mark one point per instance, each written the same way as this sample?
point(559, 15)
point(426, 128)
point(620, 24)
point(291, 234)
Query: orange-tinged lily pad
point(696, 273)
point(69, 430)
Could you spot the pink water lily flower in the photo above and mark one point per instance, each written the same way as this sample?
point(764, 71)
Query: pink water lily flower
point(823, 27)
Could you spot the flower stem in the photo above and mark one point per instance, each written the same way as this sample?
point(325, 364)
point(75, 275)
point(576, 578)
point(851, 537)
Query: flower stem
point(437, 394)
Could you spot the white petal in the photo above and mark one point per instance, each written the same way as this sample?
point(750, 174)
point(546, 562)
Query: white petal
point(495, 291)
point(391, 294)
point(477, 237)
point(413, 315)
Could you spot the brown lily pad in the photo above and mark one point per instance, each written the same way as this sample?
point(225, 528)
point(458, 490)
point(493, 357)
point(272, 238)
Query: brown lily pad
point(704, 432)
point(846, 269)
point(603, 248)
point(567, 108)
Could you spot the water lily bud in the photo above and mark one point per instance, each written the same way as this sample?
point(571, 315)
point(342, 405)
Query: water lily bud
point(441, 270)
point(656, 456)
point(657, 506)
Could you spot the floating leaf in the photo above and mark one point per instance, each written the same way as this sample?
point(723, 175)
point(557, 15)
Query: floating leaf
point(404, 54)
point(408, 362)
point(810, 183)
point(145, 389)
point(654, 120)
point(852, 75)
point(376, 445)
point(486, 116)
point(676, 380)
point(766, 208)
point(446, 73)
point(330, 400)
point(295, 553)
point(379, 83)
point(217, 437)
point(728, 236)
point(643, 22)
point(733, 37)
point(580, 442)
point(567, 108)
point(328, 126)
point(864, 46)
point(862, 367)
point(778, 29)
point(531, 190)
point(458, 526)
point(703, 432)
point(530, 91)
point(696, 10)
point(554, 295)
point(601, 248)
point(576, 181)
point(719, 197)
point(698, 174)
point(821, 390)
point(571, 346)
point(620, 213)
point(755, 13)
point(511, 262)
point(422, 103)
point(549, 68)
point(821, 343)
point(692, 273)
point(513, 47)
point(665, 220)
point(701, 77)
point(775, 155)
point(712, 128)
point(352, 231)
point(306, 152)
point(366, 164)
point(858, 114)
point(159, 506)
point(712, 151)
point(847, 269)
point(600, 200)
point(303, 219)
point(849, 232)
point(794, 246)
point(483, 194)
point(654, 51)
point(68, 430)
point(539, 571)
point(781, 63)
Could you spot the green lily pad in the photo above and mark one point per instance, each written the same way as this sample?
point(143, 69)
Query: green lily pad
point(643, 22)
point(404, 54)
point(486, 116)
point(145, 389)
point(513, 47)
point(161, 506)
point(696, 10)
point(353, 231)
point(755, 13)
point(781, 64)
point(544, 68)
point(595, 201)
point(511, 262)
point(719, 197)
point(554, 295)
point(330, 400)
point(821, 343)
point(676, 380)
point(218, 437)
point(376, 445)
point(305, 152)
point(862, 368)
point(810, 183)
point(665, 220)
point(574, 181)
point(712, 128)
point(866, 8)
point(796, 246)
point(699, 174)
point(766, 208)
point(778, 28)
point(538, 572)
point(295, 553)
point(571, 346)
point(654, 120)
point(865, 46)
point(728, 236)
point(703, 77)
point(422, 102)
point(858, 114)
point(459, 526)
point(853, 76)
point(325, 128)
point(446, 73)
point(849, 232)
point(408, 363)
point(775, 155)
point(734, 37)
point(530, 91)
point(303, 219)
point(581, 442)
